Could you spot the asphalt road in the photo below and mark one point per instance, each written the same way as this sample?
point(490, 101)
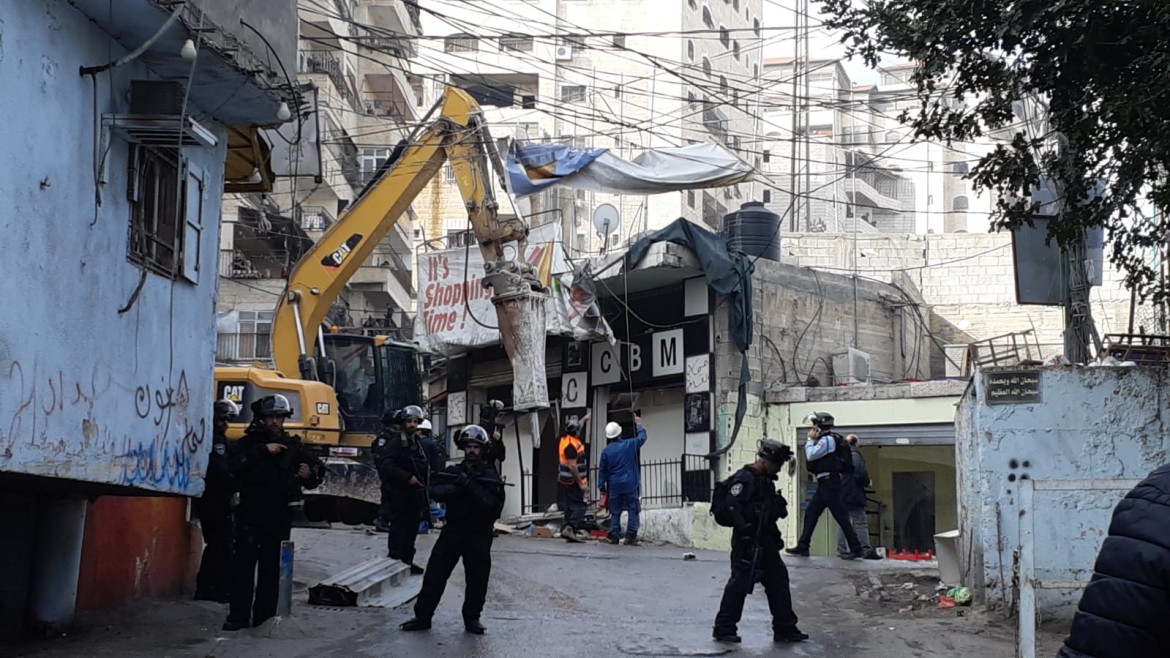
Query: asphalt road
point(548, 598)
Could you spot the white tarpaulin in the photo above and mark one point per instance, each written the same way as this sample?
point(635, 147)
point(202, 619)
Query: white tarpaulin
point(533, 168)
point(448, 324)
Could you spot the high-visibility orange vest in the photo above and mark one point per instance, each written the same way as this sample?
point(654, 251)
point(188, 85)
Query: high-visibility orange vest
point(565, 474)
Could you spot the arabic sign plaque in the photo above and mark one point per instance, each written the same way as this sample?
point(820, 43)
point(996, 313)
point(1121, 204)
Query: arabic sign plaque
point(1013, 387)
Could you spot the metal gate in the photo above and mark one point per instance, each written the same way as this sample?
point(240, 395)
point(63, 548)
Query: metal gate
point(1029, 582)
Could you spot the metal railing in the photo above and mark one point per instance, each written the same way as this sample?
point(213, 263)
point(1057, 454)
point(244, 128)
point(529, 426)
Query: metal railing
point(235, 264)
point(391, 259)
point(243, 346)
point(324, 62)
point(316, 218)
point(666, 483)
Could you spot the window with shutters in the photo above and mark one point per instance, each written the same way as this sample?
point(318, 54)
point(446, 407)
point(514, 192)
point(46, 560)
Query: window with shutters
point(166, 197)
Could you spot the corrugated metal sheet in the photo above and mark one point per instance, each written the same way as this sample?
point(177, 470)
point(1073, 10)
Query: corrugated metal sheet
point(499, 372)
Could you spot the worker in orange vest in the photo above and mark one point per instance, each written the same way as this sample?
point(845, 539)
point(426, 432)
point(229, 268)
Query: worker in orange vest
point(573, 480)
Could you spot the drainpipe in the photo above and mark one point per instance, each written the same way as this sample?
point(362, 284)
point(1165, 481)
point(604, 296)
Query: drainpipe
point(57, 560)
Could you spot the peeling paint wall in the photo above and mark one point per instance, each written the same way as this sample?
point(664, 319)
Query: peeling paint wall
point(90, 393)
point(1091, 423)
point(133, 547)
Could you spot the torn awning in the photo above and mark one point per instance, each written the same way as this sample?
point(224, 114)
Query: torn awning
point(535, 167)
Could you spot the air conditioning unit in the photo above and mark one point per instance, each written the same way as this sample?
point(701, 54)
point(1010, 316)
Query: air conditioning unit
point(158, 118)
point(851, 367)
point(564, 53)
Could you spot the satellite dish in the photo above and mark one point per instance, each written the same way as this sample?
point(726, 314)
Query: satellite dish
point(606, 219)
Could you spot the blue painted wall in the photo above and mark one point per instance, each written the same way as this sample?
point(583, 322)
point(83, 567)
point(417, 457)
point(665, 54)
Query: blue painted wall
point(87, 393)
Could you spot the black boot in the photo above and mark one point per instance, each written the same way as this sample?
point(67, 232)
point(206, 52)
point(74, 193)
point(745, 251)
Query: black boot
point(632, 540)
point(474, 627)
point(789, 635)
point(233, 625)
point(415, 624)
point(798, 550)
point(415, 570)
point(727, 636)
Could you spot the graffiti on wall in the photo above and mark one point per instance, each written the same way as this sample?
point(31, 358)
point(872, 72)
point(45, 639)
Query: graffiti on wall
point(88, 426)
point(164, 461)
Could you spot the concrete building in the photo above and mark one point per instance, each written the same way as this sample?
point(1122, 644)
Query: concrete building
point(113, 181)
point(839, 186)
point(359, 100)
point(968, 289)
point(605, 81)
point(675, 363)
point(858, 160)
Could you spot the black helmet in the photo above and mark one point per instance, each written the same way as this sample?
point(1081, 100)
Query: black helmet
point(272, 405)
point(395, 417)
point(226, 410)
point(472, 434)
point(820, 420)
point(774, 451)
point(413, 411)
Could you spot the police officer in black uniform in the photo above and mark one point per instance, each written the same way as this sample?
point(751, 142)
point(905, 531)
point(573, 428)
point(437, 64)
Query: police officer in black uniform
point(754, 506)
point(269, 467)
point(829, 460)
point(214, 509)
point(405, 469)
point(474, 495)
point(392, 428)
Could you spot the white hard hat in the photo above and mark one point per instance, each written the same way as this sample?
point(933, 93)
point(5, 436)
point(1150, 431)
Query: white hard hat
point(612, 430)
point(425, 425)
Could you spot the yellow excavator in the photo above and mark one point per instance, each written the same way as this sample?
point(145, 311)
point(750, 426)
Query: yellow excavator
point(340, 384)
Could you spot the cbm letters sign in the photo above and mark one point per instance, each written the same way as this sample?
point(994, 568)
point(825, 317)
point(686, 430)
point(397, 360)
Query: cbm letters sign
point(1013, 387)
point(667, 349)
point(574, 388)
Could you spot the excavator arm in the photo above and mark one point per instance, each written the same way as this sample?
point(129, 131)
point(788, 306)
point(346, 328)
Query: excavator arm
point(459, 135)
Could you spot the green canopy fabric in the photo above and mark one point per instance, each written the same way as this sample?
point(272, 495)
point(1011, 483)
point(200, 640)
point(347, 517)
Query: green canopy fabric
point(728, 272)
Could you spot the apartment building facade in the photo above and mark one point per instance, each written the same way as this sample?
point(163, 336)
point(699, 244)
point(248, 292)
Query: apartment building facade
point(353, 71)
point(852, 163)
point(600, 74)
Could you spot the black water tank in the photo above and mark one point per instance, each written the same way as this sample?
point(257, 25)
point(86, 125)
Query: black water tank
point(754, 230)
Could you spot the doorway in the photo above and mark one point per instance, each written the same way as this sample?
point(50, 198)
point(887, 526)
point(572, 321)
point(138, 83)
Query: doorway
point(914, 506)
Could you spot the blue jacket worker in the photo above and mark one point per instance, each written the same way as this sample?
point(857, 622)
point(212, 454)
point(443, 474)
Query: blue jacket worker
point(619, 475)
point(1123, 611)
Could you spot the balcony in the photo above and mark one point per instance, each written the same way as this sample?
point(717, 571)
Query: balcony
point(386, 280)
point(865, 195)
point(243, 347)
point(330, 64)
point(715, 122)
point(316, 218)
point(240, 264)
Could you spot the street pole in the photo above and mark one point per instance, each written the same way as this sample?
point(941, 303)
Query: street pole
point(284, 599)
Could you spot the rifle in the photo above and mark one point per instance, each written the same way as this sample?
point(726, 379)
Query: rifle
point(488, 481)
point(757, 576)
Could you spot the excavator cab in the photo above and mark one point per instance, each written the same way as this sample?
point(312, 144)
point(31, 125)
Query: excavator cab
point(372, 375)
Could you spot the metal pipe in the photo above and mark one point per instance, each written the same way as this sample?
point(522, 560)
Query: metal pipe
point(296, 309)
